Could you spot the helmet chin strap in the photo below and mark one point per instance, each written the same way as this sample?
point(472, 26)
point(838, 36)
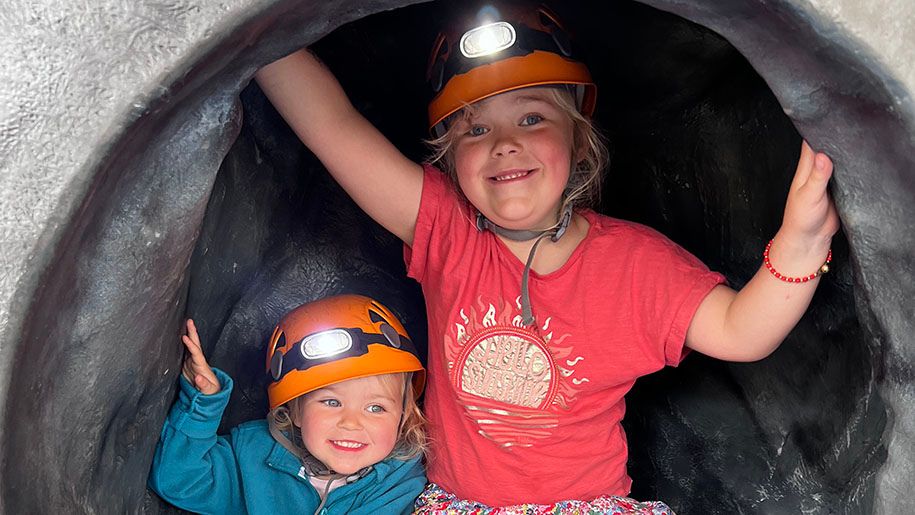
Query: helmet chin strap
point(554, 233)
point(312, 465)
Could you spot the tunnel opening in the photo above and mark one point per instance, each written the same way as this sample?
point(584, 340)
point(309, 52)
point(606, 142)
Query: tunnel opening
point(703, 152)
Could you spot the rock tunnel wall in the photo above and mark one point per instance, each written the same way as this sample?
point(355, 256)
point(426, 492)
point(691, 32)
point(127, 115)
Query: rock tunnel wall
point(144, 182)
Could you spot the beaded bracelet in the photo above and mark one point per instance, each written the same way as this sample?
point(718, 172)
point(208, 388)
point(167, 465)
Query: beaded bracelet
point(822, 270)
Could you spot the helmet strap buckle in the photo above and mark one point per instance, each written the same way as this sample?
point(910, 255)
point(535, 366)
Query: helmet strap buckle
point(554, 233)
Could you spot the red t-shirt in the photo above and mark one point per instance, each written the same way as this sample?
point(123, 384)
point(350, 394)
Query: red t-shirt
point(532, 415)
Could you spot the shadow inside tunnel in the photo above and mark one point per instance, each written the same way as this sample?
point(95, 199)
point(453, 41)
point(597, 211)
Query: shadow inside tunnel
point(702, 151)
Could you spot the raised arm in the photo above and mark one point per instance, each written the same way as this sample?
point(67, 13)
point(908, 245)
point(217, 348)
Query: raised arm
point(382, 181)
point(748, 325)
point(193, 468)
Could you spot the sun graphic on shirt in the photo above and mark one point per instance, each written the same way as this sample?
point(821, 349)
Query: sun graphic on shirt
point(513, 381)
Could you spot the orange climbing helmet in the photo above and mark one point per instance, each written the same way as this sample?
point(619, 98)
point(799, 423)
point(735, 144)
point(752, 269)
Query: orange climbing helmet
point(335, 339)
point(499, 49)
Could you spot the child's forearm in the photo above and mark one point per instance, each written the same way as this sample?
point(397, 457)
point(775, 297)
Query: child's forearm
point(382, 181)
point(750, 324)
point(306, 94)
point(193, 468)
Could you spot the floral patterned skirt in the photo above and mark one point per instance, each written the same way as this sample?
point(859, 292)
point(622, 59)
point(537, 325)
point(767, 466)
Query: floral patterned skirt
point(435, 500)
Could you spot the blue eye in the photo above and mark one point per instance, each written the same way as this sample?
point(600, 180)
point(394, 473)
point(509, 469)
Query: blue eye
point(477, 130)
point(375, 408)
point(531, 119)
point(332, 403)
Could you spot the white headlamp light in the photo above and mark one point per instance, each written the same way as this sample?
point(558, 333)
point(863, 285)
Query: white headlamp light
point(326, 344)
point(487, 39)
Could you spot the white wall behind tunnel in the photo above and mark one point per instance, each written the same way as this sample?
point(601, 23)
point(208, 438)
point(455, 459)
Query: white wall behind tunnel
point(885, 27)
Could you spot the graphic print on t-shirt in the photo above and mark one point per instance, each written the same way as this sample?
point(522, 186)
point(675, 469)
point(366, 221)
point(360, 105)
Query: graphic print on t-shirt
point(513, 381)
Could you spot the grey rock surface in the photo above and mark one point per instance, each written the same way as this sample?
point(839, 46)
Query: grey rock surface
point(133, 193)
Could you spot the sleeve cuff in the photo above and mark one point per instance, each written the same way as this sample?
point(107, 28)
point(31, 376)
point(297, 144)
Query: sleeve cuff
point(675, 348)
point(198, 415)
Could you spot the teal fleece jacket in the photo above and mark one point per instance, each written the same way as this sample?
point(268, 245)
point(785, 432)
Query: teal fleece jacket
point(248, 472)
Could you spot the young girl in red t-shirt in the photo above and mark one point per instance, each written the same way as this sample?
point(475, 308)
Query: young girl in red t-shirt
point(542, 313)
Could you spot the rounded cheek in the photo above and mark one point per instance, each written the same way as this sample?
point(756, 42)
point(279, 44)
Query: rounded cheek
point(462, 167)
point(468, 189)
point(558, 149)
point(386, 436)
point(315, 426)
point(312, 432)
point(466, 183)
point(561, 160)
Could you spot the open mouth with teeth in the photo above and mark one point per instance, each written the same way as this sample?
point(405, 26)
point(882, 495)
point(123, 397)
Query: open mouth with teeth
point(511, 175)
point(347, 445)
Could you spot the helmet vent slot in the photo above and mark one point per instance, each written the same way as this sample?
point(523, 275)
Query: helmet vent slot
point(376, 317)
point(280, 342)
point(545, 19)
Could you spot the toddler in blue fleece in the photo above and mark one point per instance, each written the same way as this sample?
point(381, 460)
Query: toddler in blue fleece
point(344, 434)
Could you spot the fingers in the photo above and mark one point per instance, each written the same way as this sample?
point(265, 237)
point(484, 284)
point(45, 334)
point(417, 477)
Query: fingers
point(192, 346)
point(804, 166)
point(192, 332)
point(195, 367)
point(809, 211)
point(822, 168)
point(811, 165)
point(815, 186)
point(189, 368)
point(192, 342)
point(206, 385)
point(814, 169)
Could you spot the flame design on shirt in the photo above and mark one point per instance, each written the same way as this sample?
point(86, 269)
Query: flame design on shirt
point(507, 376)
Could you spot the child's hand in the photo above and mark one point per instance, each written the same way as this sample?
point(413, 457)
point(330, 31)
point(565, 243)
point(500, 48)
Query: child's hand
point(810, 218)
point(196, 369)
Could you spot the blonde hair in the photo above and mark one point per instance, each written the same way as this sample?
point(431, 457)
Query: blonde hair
point(589, 151)
point(411, 440)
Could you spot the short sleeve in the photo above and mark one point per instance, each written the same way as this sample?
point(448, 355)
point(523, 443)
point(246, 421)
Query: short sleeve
point(674, 346)
point(416, 255)
point(690, 281)
point(672, 283)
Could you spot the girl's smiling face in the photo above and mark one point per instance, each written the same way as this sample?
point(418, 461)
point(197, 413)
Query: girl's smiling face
point(513, 157)
point(352, 424)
